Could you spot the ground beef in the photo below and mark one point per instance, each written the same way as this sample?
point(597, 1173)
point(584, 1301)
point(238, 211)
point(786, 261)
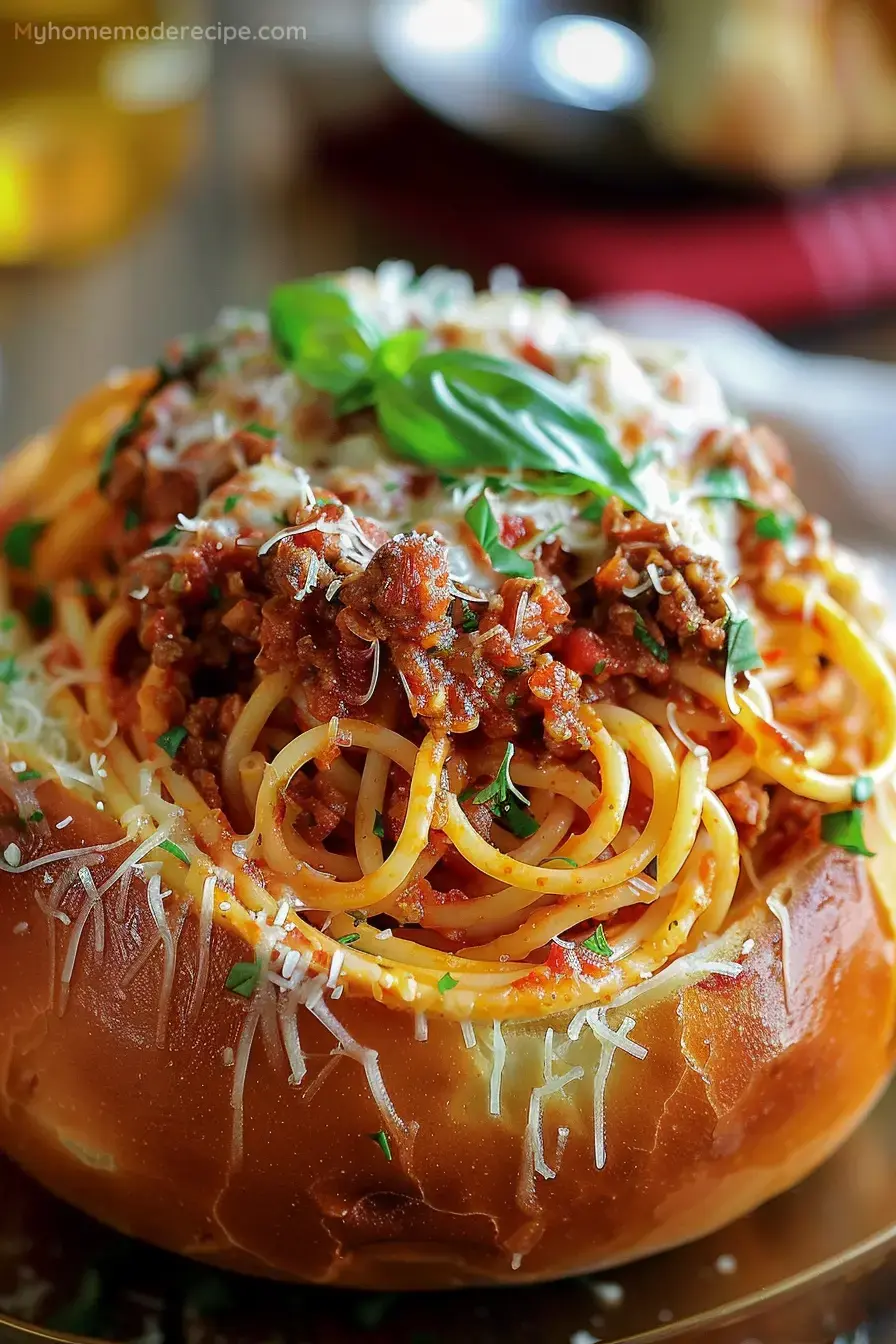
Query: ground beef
point(748, 807)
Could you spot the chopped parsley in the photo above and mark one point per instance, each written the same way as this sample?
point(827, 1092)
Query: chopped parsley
point(447, 982)
point(775, 526)
point(560, 858)
point(740, 646)
point(230, 503)
point(845, 830)
point(174, 849)
point(172, 740)
point(263, 430)
point(599, 667)
point(469, 621)
point(643, 635)
point(379, 827)
point(348, 938)
point(18, 544)
point(8, 623)
point(862, 788)
point(166, 539)
point(131, 520)
point(9, 671)
point(243, 978)
point(29, 774)
point(597, 942)
point(35, 816)
point(382, 1138)
point(504, 800)
point(484, 526)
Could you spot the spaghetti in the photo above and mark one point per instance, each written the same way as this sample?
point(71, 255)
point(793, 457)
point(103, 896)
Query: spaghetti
point(486, 747)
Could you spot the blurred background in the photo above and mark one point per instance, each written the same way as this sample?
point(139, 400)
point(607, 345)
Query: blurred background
point(741, 152)
point(160, 158)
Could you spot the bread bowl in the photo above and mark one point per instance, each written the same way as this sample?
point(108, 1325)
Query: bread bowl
point(447, 831)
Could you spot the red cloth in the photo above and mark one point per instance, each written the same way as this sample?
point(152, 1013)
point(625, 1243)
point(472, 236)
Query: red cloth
point(775, 260)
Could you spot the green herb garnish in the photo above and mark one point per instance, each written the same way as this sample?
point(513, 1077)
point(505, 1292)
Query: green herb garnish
point(643, 635)
point(845, 830)
point(599, 667)
point(740, 646)
point(560, 858)
point(469, 619)
point(166, 539)
point(264, 431)
point(29, 774)
point(322, 335)
point(379, 827)
point(35, 816)
point(862, 788)
point(7, 623)
point(40, 610)
point(348, 938)
point(775, 526)
point(597, 942)
point(172, 740)
point(725, 483)
point(243, 978)
point(9, 671)
point(447, 982)
point(382, 1138)
point(460, 409)
point(131, 520)
point(174, 849)
point(230, 503)
point(185, 369)
point(18, 544)
point(484, 525)
point(504, 800)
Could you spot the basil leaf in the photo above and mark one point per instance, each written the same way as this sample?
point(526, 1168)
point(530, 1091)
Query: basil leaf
point(18, 544)
point(740, 646)
point(484, 526)
point(862, 789)
point(320, 334)
point(845, 829)
point(721, 483)
point(775, 526)
point(597, 942)
point(462, 409)
point(243, 978)
point(356, 398)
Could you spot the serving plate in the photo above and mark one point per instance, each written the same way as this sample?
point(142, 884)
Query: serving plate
point(805, 1268)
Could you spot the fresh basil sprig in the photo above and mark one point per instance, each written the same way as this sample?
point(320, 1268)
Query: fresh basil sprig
point(451, 410)
point(321, 334)
point(462, 409)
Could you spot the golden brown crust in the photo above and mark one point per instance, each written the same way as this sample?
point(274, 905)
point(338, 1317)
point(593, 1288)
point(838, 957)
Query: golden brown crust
point(740, 1094)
